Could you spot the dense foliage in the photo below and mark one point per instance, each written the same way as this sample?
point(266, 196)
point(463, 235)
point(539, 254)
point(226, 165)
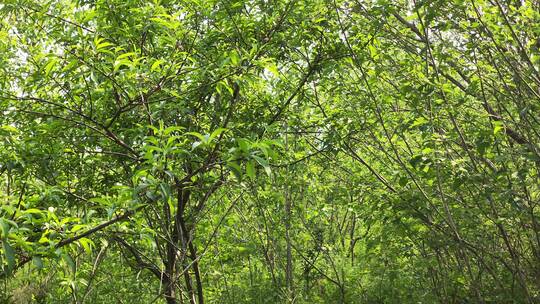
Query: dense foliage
point(292, 151)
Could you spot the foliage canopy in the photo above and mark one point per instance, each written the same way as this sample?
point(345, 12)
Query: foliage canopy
point(301, 151)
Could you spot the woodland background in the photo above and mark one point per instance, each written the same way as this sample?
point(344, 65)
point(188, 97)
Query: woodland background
point(302, 151)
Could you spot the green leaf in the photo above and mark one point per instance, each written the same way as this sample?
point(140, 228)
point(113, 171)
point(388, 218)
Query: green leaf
point(264, 163)
point(403, 180)
point(38, 262)
point(156, 65)
point(235, 59)
point(272, 68)
point(198, 135)
point(123, 62)
point(165, 190)
point(216, 133)
point(126, 55)
point(4, 225)
point(250, 169)
point(236, 170)
point(77, 227)
point(9, 254)
point(87, 245)
point(50, 65)
point(244, 144)
point(497, 127)
point(69, 261)
point(10, 128)
point(166, 23)
point(33, 211)
point(100, 43)
point(196, 144)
